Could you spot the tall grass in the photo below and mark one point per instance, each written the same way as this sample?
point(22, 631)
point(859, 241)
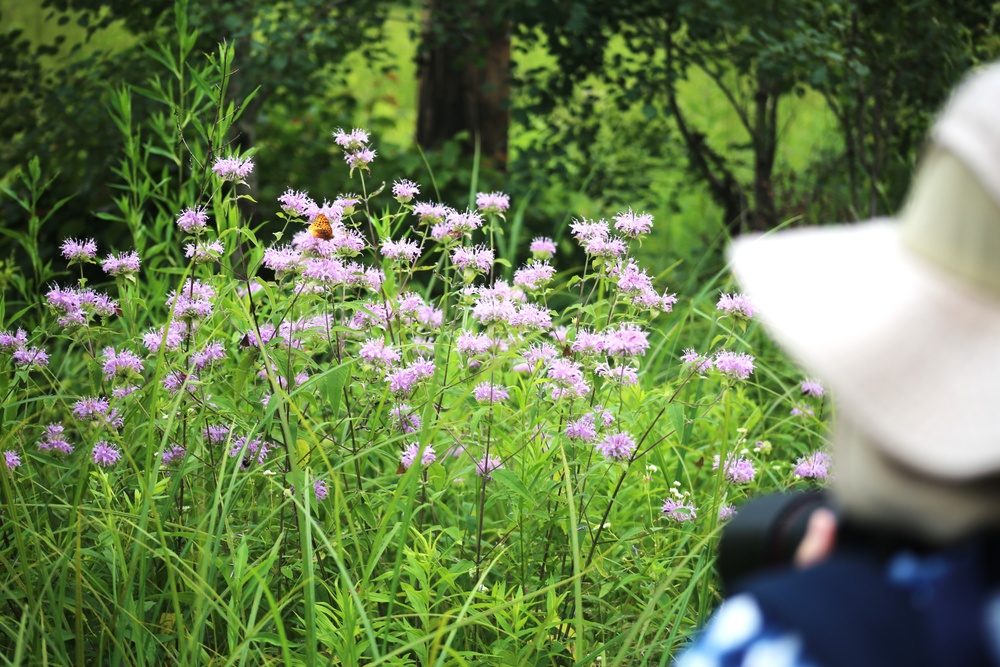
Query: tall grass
point(331, 456)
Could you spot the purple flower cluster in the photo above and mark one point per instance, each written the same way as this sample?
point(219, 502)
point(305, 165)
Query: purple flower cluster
point(83, 251)
point(193, 301)
point(739, 305)
point(617, 446)
point(377, 352)
point(596, 239)
point(625, 374)
point(10, 342)
point(473, 344)
point(586, 427)
point(456, 223)
point(23, 355)
point(403, 381)
point(812, 388)
point(204, 252)
point(251, 449)
point(211, 353)
point(296, 203)
point(75, 306)
point(487, 392)
point(534, 275)
point(816, 466)
point(215, 434)
point(320, 489)
point(492, 202)
point(738, 470)
point(801, 411)
point(474, 259)
point(11, 459)
point(402, 250)
point(409, 455)
point(357, 154)
point(486, 465)
point(232, 168)
point(542, 247)
point(105, 455)
point(170, 336)
point(567, 379)
point(404, 190)
point(700, 363)
point(406, 420)
point(125, 365)
point(633, 225)
point(122, 264)
point(173, 454)
point(350, 141)
point(735, 365)
point(636, 287)
point(175, 380)
point(31, 358)
point(192, 220)
point(628, 340)
point(53, 440)
point(678, 510)
point(428, 213)
point(99, 411)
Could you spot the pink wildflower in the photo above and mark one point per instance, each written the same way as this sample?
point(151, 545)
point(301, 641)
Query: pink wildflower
point(816, 466)
point(404, 190)
point(192, 220)
point(232, 168)
point(492, 202)
point(79, 251)
point(736, 304)
point(736, 365)
point(487, 392)
point(617, 446)
point(486, 465)
point(105, 455)
point(632, 225)
point(678, 511)
point(738, 470)
point(542, 247)
point(409, 456)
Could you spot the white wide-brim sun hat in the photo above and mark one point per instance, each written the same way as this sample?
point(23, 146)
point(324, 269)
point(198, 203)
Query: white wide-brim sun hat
point(900, 317)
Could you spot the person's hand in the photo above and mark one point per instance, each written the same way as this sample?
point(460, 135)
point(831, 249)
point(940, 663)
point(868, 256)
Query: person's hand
point(819, 540)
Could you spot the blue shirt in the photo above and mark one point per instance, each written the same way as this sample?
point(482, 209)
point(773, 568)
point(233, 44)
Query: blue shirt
point(944, 591)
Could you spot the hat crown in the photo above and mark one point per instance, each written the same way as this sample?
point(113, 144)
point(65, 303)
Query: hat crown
point(952, 213)
point(969, 126)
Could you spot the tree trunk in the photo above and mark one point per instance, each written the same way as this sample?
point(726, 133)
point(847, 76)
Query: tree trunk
point(465, 80)
point(764, 139)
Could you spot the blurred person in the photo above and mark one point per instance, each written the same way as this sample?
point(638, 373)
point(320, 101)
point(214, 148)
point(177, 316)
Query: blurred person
point(900, 318)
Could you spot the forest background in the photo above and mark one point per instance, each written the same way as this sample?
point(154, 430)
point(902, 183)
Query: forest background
point(570, 511)
point(716, 116)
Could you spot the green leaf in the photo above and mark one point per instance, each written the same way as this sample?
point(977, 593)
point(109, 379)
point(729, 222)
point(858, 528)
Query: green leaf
point(332, 387)
point(676, 415)
point(510, 481)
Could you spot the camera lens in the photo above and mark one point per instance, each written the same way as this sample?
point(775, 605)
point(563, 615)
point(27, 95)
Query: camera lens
point(764, 534)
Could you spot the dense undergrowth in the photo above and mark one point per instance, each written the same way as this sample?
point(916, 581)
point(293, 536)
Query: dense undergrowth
point(396, 432)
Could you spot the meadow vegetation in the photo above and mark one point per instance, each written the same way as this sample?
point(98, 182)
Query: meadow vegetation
point(397, 431)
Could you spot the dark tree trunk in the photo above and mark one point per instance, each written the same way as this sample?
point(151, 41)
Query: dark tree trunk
point(465, 80)
point(765, 215)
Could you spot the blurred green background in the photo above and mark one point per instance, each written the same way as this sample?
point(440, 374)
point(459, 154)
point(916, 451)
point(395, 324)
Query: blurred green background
point(717, 116)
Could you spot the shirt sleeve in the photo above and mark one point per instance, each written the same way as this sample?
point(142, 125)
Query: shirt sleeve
point(738, 635)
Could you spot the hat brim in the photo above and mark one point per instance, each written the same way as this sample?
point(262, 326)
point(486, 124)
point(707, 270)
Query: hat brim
point(909, 351)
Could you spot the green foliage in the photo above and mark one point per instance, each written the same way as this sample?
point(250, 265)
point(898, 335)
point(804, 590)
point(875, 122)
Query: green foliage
point(295, 533)
point(868, 59)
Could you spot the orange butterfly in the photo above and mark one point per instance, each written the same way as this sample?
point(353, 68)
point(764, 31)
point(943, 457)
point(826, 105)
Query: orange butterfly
point(320, 228)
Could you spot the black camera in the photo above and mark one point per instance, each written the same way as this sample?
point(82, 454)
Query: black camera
point(765, 533)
